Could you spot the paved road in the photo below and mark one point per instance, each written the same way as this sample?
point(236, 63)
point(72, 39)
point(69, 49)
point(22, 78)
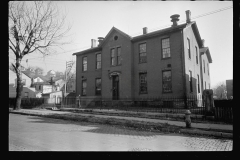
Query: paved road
point(32, 133)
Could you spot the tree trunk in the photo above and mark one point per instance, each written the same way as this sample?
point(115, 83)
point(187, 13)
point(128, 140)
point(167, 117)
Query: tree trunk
point(19, 87)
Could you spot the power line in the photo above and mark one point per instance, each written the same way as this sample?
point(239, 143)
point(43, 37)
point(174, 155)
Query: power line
point(198, 16)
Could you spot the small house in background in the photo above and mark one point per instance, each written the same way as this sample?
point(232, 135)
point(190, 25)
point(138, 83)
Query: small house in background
point(51, 73)
point(27, 92)
point(53, 97)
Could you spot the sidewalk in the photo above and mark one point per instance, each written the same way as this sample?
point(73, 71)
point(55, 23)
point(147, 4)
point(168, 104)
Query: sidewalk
point(218, 130)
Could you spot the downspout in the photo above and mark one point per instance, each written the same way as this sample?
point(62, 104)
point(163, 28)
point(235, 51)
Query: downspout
point(183, 72)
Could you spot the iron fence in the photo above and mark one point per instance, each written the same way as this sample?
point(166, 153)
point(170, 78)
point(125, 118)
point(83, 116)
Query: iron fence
point(223, 110)
point(152, 104)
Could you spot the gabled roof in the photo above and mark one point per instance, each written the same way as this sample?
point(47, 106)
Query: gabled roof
point(29, 74)
point(206, 50)
point(104, 40)
point(109, 33)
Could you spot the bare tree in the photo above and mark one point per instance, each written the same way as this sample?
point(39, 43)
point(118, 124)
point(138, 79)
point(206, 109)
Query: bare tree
point(34, 26)
point(220, 90)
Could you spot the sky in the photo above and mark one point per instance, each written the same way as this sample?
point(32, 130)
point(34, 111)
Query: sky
point(93, 19)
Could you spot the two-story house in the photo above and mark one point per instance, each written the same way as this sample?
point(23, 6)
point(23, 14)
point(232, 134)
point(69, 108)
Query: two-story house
point(168, 62)
point(27, 92)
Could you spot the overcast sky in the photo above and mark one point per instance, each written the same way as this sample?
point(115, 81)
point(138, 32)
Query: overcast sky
point(90, 20)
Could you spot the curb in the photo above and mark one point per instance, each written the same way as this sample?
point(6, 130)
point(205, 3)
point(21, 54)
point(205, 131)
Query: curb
point(192, 131)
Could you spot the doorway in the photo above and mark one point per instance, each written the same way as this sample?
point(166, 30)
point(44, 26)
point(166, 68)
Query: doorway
point(115, 87)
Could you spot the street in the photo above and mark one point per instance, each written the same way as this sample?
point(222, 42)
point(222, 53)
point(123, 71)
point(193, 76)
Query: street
point(32, 133)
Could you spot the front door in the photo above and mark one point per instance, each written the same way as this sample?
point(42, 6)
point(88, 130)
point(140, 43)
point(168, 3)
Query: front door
point(115, 87)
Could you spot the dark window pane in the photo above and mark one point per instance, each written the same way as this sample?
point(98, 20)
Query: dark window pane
point(143, 82)
point(167, 81)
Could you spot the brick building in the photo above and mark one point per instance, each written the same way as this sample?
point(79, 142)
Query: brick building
point(172, 62)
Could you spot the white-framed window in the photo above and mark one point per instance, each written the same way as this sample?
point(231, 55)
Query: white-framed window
point(84, 63)
point(98, 61)
point(142, 53)
point(166, 48)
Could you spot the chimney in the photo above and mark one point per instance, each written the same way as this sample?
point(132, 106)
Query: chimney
point(145, 30)
point(188, 16)
point(93, 43)
point(175, 19)
point(203, 41)
point(100, 39)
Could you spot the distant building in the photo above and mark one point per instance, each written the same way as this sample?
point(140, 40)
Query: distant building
point(168, 62)
point(27, 92)
point(51, 73)
point(229, 87)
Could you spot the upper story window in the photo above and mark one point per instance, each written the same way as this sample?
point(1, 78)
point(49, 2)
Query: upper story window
point(207, 68)
point(143, 83)
point(116, 56)
point(188, 47)
point(98, 61)
point(167, 81)
point(98, 86)
point(204, 66)
point(198, 84)
point(196, 54)
point(143, 53)
point(26, 95)
point(119, 56)
point(166, 48)
point(23, 82)
point(84, 63)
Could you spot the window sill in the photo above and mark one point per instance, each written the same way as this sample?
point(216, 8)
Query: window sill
point(116, 65)
point(166, 58)
point(167, 92)
point(143, 92)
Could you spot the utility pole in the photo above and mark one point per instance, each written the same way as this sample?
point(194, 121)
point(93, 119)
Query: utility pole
point(68, 65)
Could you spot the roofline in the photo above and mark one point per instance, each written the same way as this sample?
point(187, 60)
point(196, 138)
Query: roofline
point(196, 31)
point(207, 53)
point(87, 51)
point(156, 33)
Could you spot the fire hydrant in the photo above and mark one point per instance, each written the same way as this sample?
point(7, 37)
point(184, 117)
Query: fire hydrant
point(188, 119)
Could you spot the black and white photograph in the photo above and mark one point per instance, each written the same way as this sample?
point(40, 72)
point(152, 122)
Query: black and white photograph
point(124, 76)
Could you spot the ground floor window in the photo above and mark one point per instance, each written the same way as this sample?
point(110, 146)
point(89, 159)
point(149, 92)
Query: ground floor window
point(143, 82)
point(190, 81)
point(98, 86)
point(167, 81)
point(84, 86)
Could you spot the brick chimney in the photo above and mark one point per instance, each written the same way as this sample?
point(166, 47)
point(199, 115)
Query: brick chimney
point(100, 39)
point(203, 41)
point(188, 16)
point(93, 43)
point(145, 30)
point(175, 19)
